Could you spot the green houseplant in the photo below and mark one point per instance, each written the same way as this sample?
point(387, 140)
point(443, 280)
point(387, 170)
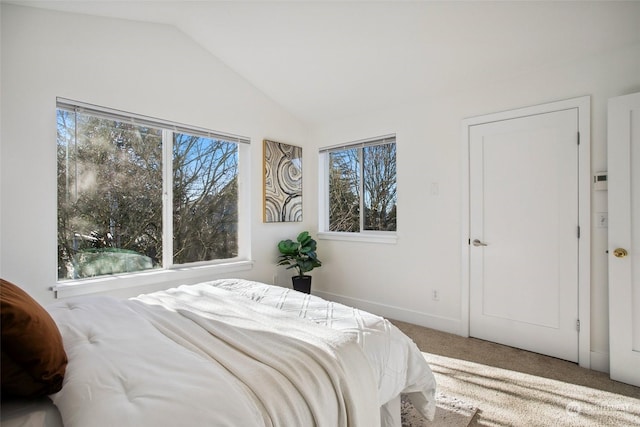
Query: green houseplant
point(302, 256)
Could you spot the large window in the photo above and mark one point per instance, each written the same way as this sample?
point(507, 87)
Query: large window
point(135, 193)
point(360, 187)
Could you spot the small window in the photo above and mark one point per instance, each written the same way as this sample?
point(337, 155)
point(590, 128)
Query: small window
point(360, 187)
point(136, 193)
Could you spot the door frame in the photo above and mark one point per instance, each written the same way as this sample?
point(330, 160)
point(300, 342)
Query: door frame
point(583, 105)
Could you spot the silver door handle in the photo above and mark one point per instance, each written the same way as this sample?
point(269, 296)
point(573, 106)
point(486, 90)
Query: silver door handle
point(477, 242)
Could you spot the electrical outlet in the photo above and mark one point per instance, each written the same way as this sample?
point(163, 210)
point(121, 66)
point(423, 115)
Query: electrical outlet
point(435, 295)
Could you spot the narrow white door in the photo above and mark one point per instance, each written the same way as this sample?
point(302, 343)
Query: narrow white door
point(523, 225)
point(624, 238)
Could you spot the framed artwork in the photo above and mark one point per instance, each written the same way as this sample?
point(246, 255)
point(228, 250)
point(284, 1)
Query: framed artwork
point(282, 182)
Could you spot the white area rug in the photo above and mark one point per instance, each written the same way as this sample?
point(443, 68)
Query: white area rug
point(450, 412)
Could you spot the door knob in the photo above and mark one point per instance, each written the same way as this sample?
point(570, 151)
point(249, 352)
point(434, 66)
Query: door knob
point(477, 242)
point(620, 253)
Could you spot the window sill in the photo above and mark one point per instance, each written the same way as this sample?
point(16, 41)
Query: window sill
point(386, 238)
point(170, 277)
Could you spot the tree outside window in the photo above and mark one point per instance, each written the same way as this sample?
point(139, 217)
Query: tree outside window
point(361, 185)
point(111, 201)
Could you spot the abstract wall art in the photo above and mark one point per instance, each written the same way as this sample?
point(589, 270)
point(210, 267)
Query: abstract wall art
point(282, 182)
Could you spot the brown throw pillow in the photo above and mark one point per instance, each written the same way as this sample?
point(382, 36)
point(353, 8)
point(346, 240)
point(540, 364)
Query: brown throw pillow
point(33, 356)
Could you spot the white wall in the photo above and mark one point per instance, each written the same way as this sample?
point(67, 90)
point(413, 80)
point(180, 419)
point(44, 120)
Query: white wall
point(144, 68)
point(398, 280)
point(48, 54)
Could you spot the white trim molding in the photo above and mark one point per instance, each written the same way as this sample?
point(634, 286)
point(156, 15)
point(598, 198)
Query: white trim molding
point(158, 278)
point(600, 361)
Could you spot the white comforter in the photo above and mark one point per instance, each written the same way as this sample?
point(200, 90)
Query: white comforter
point(398, 364)
point(206, 355)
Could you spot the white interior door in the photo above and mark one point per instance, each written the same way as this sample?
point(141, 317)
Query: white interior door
point(523, 228)
point(624, 238)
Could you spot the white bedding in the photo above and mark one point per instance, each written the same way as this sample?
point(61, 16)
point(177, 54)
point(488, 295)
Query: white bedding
point(397, 362)
point(221, 353)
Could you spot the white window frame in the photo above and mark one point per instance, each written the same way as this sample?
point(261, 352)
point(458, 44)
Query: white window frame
point(369, 236)
point(171, 273)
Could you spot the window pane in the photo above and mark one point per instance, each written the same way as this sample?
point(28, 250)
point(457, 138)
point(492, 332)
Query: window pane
point(379, 179)
point(205, 199)
point(344, 190)
point(109, 196)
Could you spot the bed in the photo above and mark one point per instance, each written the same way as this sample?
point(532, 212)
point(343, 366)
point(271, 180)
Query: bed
point(231, 352)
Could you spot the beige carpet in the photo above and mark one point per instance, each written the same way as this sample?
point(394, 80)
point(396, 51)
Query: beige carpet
point(512, 387)
point(450, 412)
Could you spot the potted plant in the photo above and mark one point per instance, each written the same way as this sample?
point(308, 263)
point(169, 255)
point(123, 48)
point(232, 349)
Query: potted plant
point(302, 256)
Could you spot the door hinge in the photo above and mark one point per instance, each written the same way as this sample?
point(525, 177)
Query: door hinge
point(578, 325)
point(578, 232)
point(578, 138)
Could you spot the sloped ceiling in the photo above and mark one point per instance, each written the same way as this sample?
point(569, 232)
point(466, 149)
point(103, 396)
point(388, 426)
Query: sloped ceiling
point(327, 60)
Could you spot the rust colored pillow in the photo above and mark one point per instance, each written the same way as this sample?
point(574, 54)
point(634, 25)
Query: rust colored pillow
point(33, 356)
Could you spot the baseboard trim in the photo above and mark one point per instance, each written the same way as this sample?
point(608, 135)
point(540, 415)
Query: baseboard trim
point(441, 323)
point(600, 361)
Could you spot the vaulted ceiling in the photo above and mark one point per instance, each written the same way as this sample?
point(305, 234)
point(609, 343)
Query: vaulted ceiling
point(325, 60)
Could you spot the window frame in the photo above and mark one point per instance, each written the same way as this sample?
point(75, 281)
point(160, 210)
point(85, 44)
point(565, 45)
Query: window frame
point(169, 273)
point(369, 236)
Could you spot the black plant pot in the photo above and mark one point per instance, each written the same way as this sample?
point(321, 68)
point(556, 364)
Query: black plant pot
point(302, 283)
